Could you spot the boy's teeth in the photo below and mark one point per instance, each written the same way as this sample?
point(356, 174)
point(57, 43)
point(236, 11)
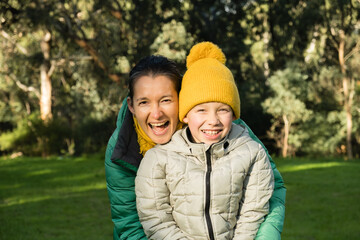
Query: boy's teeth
point(211, 132)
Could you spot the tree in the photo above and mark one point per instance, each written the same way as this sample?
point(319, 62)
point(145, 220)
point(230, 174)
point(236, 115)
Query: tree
point(337, 36)
point(287, 105)
point(340, 27)
point(69, 60)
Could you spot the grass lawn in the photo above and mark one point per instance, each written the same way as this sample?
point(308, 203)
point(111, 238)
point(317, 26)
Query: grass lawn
point(66, 199)
point(323, 199)
point(54, 199)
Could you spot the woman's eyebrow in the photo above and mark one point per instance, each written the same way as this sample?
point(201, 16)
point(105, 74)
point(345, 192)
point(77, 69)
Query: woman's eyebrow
point(145, 98)
point(170, 95)
point(141, 99)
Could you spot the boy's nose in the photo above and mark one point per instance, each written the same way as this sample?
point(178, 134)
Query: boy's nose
point(213, 119)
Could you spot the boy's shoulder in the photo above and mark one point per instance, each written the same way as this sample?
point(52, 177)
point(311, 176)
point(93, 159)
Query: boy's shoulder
point(237, 131)
point(240, 136)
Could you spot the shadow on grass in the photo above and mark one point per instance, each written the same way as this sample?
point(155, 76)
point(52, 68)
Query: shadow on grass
point(322, 199)
point(54, 199)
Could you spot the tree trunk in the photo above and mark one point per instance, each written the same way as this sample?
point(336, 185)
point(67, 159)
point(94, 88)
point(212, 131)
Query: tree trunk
point(286, 136)
point(45, 80)
point(95, 55)
point(266, 39)
point(346, 94)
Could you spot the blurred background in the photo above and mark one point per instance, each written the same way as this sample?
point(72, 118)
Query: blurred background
point(64, 67)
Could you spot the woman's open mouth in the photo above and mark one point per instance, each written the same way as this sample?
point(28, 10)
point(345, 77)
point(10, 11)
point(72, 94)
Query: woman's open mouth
point(159, 128)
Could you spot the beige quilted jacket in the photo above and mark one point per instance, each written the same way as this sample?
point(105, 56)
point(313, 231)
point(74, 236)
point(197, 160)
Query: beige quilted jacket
point(186, 190)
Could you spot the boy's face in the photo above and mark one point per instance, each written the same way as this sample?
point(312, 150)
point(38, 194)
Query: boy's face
point(209, 122)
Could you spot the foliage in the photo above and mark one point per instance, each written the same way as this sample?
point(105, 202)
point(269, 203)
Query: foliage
point(93, 45)
point(173, 41)
point(323, 134)
point(91, 135)
point(33, 137)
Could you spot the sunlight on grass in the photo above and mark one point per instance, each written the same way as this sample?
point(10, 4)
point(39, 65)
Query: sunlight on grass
point(77, 177)
point(40, 172)
point(60, 192)
point(301, 167)
point(18, 201)
point(83, 188)
point(10, 186)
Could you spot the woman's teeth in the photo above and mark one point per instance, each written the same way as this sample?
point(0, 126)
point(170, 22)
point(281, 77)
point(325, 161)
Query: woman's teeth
point(152, 125)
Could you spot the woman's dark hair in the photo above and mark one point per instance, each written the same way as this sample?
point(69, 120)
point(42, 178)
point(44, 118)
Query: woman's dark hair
point(154, 66)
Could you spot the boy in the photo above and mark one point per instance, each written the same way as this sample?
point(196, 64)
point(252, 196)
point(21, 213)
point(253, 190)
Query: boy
point(211, 181)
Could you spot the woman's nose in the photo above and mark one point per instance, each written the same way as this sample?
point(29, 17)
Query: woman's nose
point(156, 111)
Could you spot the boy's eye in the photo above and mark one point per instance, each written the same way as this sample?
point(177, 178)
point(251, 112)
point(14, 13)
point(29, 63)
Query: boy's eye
point(225, 110)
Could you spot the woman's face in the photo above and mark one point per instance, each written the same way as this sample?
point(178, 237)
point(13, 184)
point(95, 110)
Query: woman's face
point(156, 107)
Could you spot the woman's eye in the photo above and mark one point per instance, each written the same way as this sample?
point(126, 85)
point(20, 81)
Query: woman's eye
point(142, 103)
point(224, 110)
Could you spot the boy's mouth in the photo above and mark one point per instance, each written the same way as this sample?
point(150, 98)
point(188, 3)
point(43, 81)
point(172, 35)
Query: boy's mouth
point(211, 132)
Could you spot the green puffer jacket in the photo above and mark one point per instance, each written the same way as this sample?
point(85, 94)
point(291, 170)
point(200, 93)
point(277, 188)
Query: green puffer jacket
point(122, 160)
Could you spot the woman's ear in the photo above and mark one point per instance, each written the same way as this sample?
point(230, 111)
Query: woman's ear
point(130, 105)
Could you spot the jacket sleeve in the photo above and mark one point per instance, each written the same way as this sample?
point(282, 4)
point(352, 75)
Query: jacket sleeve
point(120, 182)
point(273, 224)
point(257, 190)
point(153, 200)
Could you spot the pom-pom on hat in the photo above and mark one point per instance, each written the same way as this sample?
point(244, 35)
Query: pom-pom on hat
point(207, 79)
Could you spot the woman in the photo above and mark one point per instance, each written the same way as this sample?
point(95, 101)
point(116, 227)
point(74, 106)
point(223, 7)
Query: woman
point(149, 116)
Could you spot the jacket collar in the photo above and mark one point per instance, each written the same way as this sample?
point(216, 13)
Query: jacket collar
point(217, 150)
point(127, 148)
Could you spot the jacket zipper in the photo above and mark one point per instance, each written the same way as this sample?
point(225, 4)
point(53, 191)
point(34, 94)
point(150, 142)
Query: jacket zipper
point(207, 197)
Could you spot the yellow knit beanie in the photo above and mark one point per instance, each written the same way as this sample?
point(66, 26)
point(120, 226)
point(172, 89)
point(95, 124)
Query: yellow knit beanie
point(207, 79)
